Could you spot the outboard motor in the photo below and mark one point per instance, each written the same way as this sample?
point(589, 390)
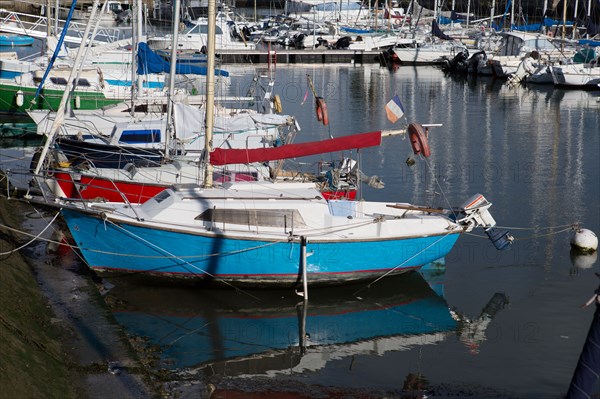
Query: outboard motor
point(299, 40)
point(500, 238)
point(475, 60)
point(321, 42)
point(456, 64)
point(246, 32)
point(342, 43)
point(477, 214)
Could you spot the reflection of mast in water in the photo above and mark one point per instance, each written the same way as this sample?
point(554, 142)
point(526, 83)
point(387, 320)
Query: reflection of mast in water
point(545, 156)
point(488, 143)
point(575, 144)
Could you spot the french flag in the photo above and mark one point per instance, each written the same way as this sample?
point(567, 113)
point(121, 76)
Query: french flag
point(394, 109)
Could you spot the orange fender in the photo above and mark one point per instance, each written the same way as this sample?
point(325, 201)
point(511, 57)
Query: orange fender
point(322, 115)
point(418, 139)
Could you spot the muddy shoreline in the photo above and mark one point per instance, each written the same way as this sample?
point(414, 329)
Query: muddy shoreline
point(90, 350)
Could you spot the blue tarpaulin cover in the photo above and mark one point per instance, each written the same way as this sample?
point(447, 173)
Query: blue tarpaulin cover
point(150, 62)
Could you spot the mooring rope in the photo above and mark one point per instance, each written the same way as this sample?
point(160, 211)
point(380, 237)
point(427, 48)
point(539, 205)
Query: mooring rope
point(571, 225)
point(571, 228)
point(36, 237)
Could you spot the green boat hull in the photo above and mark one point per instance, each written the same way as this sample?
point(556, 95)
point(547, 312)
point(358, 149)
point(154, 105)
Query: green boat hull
point(49, 99)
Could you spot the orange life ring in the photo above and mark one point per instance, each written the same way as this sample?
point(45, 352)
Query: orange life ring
point(418, 139)
point(322, 115)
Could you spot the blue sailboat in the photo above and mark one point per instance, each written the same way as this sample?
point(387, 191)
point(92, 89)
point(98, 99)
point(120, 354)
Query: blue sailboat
point(14, 40)
point(267, 233)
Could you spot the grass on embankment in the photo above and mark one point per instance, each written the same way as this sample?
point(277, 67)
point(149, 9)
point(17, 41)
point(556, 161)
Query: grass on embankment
point(32, 362)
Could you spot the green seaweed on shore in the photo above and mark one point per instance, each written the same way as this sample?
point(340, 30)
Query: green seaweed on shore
point(32, 361)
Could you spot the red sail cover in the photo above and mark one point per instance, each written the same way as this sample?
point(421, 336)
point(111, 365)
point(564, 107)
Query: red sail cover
point(222, 156)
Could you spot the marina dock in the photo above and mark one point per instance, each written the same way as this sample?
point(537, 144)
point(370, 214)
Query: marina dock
point(299, 56)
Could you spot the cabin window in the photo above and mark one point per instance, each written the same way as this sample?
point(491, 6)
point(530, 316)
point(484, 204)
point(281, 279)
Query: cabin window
point(221, 176)
point(254, 217)
point(204, 29)
point(147, 108)
point(83, 82)
point(140, 136)
point(58, 81)
point(163, 195)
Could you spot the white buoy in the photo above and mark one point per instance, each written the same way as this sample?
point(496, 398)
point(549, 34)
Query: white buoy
point(584, 240)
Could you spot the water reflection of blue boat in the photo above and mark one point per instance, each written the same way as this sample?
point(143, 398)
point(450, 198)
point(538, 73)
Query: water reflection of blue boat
point(196, 328)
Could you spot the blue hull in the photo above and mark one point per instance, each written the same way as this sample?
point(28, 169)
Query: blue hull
point(13, 41)
point(137, 249)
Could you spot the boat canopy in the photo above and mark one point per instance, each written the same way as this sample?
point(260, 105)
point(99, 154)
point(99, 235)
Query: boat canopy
point(150, 62)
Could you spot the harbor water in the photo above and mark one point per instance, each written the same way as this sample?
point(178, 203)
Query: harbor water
point(479, 323)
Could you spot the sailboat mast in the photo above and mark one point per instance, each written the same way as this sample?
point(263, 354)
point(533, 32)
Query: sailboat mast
point(138, 17)
point(589, 13)
point(60, 113)
point(134, 48)
point(210, 90)
point(544, 9)
point(564, 26)
point(48, 18)
point(173, 68)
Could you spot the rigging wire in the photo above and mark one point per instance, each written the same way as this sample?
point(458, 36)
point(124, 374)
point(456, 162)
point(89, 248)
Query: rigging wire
point(437, 182)
point(403, 263)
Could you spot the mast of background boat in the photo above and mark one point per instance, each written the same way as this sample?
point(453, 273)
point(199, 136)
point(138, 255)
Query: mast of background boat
point(574, 30)
point(133, 57)
point(468, 13)
point(56, 14)
point(87, 48)
point(48, 18)
point(172, 71)
point(56, 51)
point(210, 90)
point(544, 9)
point(589, 14)
point(136, 82)
point(60, 113)
point(140, 82)
point(564, 27)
